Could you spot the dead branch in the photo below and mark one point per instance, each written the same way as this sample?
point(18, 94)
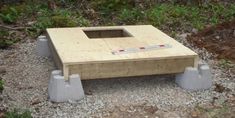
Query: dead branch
point(13, 28)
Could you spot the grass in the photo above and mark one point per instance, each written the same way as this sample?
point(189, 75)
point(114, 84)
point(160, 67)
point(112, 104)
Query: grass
point(171, 18)
point(58, 18)
point(6, 39)
point(18, 114)
point(174, 17)
point(130, 16)
point(108, 6)
point(197, 17)
point(223, 111)
point(10, 16)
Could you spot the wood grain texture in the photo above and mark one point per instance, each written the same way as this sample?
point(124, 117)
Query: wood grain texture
point(92, 57)
point(130, 68)
point(54, 54)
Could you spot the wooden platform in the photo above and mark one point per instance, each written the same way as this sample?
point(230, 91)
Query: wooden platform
point(87, 51)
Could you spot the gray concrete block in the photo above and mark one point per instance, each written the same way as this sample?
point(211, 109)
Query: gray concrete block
point(195, 78)
point(60, 90)
point(42, 46)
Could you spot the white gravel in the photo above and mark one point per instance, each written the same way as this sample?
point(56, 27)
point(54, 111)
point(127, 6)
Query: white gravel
point(27, 76)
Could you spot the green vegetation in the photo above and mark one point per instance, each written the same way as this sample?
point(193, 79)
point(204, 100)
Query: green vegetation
point(58, 18)
point(170, 17)
point(223, 111)
point(173, 16)
point(108, 6)
point(1, 85)
point(224, 63)
point(18, 114)
point(131, 16)
point(194, 16)
point(6, 40)
point(10, 14)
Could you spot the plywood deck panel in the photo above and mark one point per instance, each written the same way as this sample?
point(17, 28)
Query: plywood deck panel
point(92, 57)
point(133, 68)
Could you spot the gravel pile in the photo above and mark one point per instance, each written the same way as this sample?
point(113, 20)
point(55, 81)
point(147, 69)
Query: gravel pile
point(27, 75)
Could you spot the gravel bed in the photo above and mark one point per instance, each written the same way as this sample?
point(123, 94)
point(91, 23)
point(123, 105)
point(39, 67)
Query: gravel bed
point(27, 75)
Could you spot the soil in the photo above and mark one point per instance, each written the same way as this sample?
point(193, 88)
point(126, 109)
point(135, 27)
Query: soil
point(218, 39)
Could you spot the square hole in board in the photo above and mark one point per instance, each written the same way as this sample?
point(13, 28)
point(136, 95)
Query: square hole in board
point(107, 33)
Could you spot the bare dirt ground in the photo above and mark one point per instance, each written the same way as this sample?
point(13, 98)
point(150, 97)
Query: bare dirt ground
point(219, 39)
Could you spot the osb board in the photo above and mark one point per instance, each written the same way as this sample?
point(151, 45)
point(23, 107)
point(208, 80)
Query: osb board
point(73, 47)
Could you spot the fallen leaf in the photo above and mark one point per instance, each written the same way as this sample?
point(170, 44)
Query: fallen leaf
point(150, 109)
point(2, 69)
point(35, 101)
point(219, 88)
point(195, 114)
point(89, 92)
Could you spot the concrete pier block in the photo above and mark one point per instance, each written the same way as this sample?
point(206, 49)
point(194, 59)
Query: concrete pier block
point(60, 90)
point(42, 47)
point(195, 78)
